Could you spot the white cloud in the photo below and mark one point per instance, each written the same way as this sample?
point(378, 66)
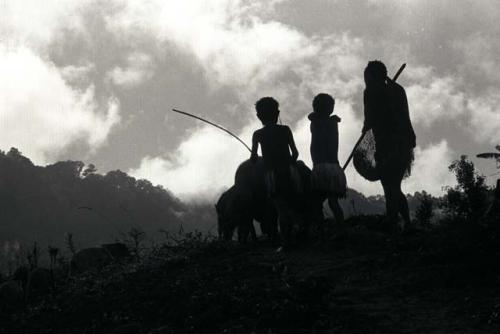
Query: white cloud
point(139, 68)
point(36, 23)
point(200, 168)
point(40, 114)
point(480, 56)
point(77, 74)
point(226, 37)
point(485, 118)
point(430, 170)
point(433, 98)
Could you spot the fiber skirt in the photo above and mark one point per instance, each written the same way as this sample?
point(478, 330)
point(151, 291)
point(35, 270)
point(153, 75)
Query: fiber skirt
point(329, 179)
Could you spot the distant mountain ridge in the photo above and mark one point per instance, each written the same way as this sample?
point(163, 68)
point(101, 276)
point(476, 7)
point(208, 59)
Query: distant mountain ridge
point(43, 203)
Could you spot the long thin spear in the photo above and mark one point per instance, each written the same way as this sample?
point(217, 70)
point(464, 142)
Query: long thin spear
point(363, 134)
point(213, 124)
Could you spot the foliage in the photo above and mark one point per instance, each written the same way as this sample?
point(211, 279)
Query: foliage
point(42, 203)
point(424, 211)
point(133, 238)
point(193, 284)
point(468, 199)
point(33, 256)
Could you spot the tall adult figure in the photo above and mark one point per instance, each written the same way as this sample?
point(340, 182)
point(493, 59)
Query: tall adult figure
point(387, 115)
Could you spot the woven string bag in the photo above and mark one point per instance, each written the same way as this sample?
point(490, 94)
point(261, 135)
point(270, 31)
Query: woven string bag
point(364, 158)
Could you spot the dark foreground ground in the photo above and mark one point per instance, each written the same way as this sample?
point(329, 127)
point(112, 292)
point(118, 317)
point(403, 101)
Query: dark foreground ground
point(357, 280)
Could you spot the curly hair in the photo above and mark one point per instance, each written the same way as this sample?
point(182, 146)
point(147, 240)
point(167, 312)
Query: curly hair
point(323, 101)
point(267, 109)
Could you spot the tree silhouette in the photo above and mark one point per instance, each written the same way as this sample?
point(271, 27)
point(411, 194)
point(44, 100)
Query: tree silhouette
point(468, 199)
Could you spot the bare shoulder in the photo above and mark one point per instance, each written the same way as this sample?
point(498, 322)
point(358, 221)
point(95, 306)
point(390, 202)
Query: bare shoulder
point(284, 128)
point(396, 87)
point(257, 133)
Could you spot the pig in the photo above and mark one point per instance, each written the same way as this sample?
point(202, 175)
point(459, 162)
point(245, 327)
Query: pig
point(249, 200)
point(234, 211)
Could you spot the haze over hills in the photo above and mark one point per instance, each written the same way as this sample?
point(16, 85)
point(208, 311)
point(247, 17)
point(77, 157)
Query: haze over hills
point(44, 203)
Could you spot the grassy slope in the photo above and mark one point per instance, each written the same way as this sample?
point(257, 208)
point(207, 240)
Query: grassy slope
point(357, 280)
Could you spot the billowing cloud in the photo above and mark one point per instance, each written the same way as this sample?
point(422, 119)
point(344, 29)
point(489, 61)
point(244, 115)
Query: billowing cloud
point(485, 118)
point(430, 170)
point(228, 39)
point(201, 167)
point(434, 98)
point(41, 115)
point(36, 24)
point(139, 68)
point(77, 75)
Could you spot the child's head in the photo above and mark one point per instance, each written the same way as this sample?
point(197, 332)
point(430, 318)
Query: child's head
point(267, 110)
point(323, 104)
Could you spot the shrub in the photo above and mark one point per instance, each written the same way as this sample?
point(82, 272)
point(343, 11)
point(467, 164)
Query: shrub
point(468, 199)
point(425, 209)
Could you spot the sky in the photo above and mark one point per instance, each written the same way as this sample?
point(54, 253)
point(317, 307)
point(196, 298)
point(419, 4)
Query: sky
point(96, 80)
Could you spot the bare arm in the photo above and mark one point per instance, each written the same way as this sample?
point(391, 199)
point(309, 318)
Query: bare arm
point(367, 112)
point(255, 146)
point(293, 148)
point(336, 143)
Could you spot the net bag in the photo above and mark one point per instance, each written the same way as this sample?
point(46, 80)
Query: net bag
point(398, 158)
point(364, 158)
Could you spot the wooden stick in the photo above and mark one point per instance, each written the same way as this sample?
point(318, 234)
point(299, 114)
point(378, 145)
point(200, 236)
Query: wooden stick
point(353, 150)
point(213, 124)
point(363, 134)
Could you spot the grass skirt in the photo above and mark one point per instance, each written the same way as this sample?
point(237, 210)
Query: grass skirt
point(329, 179)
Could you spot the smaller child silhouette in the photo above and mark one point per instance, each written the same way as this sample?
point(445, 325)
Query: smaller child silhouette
point(328, 179)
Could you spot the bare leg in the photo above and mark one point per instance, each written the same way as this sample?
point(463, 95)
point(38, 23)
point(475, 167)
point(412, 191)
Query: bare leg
point(284, 220)
point(271, 218)
point(253, 234)
point(333, 202)
point(391, 201)
point(317, 208)
point(403, 207)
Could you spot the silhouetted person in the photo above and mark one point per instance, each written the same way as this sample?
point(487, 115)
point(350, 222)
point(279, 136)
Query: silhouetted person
point(279, 153)
point(328, 179)
point(386, 113)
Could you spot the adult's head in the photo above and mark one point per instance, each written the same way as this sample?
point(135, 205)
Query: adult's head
point(323, 104)
point(375, 73)
point(267, 110)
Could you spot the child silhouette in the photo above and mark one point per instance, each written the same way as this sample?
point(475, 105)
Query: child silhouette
point(279, 154)
point(328, 179)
